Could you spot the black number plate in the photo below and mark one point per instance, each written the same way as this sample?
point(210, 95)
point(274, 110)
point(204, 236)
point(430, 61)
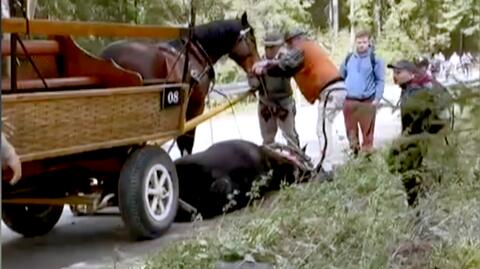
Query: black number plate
point(170, 97)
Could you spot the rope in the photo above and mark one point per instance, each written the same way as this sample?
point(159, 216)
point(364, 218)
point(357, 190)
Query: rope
point(232, 109)
point(30, 59)
point(210, 122)
point(324, 132)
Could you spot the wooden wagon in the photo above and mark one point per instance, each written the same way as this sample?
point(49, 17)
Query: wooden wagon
point(83, 128)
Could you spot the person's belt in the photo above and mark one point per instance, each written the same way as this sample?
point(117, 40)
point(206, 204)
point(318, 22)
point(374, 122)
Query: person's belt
point(370, 98)
point(335, 80)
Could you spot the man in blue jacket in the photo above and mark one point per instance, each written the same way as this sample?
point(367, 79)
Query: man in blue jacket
point(364, 75)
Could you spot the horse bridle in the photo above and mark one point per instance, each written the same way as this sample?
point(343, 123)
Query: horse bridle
point(242, 38)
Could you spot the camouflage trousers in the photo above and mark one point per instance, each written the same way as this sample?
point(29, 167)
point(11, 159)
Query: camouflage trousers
point(274, 117)
point(406, 157)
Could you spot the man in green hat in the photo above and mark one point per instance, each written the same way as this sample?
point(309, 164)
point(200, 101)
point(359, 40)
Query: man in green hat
point(276, 105)
point(421, 114)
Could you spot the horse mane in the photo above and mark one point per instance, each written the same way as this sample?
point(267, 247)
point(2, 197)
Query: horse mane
point(217, 37)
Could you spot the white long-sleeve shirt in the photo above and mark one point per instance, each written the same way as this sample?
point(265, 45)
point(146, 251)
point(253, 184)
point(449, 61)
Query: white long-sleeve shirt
point(7, 149)
point(5, 9)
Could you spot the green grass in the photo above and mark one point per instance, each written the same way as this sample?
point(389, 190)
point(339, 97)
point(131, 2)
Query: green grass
point(360, 220)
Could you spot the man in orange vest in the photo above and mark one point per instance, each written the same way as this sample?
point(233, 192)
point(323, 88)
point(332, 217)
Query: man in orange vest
point(317, 77)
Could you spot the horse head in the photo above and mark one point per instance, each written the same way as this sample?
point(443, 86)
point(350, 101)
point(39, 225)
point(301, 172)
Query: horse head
point(245, 52)
point(232, 37)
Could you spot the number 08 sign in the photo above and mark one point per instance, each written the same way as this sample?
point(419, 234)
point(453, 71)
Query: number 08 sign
point(170, 97)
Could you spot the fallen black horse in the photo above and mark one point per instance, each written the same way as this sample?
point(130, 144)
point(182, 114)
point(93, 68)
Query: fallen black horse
point(226, 171)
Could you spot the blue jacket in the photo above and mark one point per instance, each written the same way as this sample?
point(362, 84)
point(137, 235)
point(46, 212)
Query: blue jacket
point(359, 78)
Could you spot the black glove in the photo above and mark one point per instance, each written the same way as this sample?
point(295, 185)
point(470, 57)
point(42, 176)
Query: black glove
point(253, 81)
point(282, 113)
point(266, 113)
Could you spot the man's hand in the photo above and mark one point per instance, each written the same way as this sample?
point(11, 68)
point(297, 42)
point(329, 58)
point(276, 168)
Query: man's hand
point(10, 158)
point(258, 68)
point(375, 103)
point(14, 163)
point(253, 81)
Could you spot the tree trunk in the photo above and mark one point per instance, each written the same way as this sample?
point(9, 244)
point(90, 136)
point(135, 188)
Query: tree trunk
point(31, 7)
point(378, 18)
point(352, 23)
point(335, 15)
point(6, 60)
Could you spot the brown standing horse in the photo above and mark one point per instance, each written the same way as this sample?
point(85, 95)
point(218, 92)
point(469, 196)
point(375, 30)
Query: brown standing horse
point(211, 41)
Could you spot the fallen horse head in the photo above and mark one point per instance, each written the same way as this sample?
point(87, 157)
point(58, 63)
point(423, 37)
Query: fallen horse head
point(220, 179)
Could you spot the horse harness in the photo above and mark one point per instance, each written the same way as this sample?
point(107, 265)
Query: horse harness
point(204, 59)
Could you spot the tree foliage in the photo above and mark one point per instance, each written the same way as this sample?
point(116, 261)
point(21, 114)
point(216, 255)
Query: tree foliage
point(422, 26)
point(405, 28)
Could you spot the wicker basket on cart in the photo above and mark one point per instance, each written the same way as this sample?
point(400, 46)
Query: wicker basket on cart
point(51, 124)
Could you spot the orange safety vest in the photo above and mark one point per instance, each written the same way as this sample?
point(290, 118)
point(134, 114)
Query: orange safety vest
point(317, 72)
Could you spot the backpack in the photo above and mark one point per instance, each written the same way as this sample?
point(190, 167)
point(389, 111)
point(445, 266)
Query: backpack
point(444, 99)
point(372, 61)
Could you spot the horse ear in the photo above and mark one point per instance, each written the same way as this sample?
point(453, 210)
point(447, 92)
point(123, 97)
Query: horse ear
point(244, 19)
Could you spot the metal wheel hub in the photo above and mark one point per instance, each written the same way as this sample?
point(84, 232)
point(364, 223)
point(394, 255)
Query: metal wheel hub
point(158, 192)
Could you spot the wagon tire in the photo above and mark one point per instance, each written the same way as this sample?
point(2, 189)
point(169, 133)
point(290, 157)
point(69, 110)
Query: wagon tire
point(148, 193)
point(31, 220)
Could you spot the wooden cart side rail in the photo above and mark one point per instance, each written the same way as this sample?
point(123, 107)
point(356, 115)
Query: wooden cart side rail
point(65, 65)
point(71, 200)
point(38, 96)
point(78, 28)
point(97, 146)
point(34, 47)
point(52, 83)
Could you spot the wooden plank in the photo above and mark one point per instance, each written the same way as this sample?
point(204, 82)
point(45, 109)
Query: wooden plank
point(72, 200)
point(153, 81)
point(34, 47)
point(96, 146)
point(87, 93)
point(78, 62)
point(52, 83)
point(106, 161)
point(77, 28)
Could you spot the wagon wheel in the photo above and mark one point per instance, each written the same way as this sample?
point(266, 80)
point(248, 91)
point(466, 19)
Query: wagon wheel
point(31, 220)
point(148, 192)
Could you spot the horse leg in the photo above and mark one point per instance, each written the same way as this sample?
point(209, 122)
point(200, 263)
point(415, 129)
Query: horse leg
point(195, 108)
point(185, 142)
